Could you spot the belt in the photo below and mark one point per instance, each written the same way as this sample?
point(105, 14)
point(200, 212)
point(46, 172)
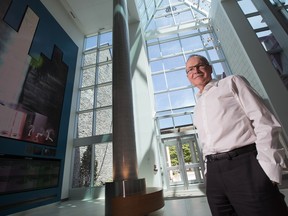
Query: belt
point(231, 154)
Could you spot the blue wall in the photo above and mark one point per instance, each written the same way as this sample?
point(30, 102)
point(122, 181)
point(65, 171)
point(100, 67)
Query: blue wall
point(48, 35)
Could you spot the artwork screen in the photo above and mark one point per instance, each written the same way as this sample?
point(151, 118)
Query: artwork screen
point(31, 88)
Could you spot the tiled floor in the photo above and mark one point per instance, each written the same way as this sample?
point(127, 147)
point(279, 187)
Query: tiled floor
point(196, 204)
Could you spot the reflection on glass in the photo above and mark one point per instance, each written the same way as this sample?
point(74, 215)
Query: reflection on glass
point(103, 160)
point(82, 167)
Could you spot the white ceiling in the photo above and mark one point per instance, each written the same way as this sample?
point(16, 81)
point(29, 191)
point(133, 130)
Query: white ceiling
point(93, 15)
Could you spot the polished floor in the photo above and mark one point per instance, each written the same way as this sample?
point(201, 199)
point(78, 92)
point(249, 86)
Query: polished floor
point(190, 203)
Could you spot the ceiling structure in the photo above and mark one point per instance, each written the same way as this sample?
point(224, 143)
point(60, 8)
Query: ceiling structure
point(92, 16)
point(95, 15)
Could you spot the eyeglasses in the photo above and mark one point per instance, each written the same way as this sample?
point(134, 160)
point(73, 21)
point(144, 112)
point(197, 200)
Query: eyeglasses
point(198, 67)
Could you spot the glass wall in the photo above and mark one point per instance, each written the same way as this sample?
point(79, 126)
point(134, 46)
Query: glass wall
point(177, 30)
point(93, 152)
point(174, 29)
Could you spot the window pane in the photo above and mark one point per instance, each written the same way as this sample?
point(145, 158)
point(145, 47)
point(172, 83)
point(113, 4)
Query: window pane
point(159, 83)
point(172, 47)
point(218, 68)
point(86, 99)
point(89, 58)
point(106, 39)
point(154, 51)
point(182, 98)
point(104, 73)
point(192, 43)
point(88, 77)
point(183, 17)
point(104, 96)
point(257, 22)
point(103, 160)
point(85, 125)
point(82, 167)
point(104, 121)
point(177, 79)
point(183, 120)
point(105, 55)
point(247, 6)
point(174, 62)
point(91, 42)
point(166, 123)
point(156, 66)
point(162, 102)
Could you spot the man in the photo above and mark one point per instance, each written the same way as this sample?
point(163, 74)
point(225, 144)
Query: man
point(239, 139)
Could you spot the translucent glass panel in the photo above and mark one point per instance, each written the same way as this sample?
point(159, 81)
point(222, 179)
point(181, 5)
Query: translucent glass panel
point(218, 69)
point(257, 22)
point(93, 161)
point(176, 12)
point(247, 6)
point(105, 39)
point(86, 99)
point(84, 174)
point(183, 16)
point(105, 55)
point(170, 47)
point(82, 167)
point(95, 93)
point(104, 159)
point(88, 77)
point(104, 73)
point(170, 80)
point(90, 42)
point(177, 79)
point(176, 121)
point(104, 96)
point(85, 124)
point(103, 121)
point(192, 43)
point(173, 62)
point(146, 10)
point(182, 120)
point(168, 54)
point(89, 58)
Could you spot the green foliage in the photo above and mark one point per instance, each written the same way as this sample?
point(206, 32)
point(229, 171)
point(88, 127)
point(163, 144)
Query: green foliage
point(85, 168)
point(173, 154)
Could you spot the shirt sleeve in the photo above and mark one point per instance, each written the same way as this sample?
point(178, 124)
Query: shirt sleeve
point(265, 126)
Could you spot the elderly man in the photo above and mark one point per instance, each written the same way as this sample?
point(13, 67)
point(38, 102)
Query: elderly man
point(239, 139)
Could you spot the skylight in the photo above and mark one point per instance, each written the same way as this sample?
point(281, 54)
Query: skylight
point(155, 14)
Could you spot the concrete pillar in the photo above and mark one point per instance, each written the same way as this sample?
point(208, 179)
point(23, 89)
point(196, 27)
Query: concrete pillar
point(125, 168)
point(124, 147)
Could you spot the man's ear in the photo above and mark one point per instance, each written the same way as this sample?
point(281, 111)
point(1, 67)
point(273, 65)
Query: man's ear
point(211, 70)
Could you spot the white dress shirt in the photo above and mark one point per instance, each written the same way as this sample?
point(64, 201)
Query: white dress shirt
point(229, 114)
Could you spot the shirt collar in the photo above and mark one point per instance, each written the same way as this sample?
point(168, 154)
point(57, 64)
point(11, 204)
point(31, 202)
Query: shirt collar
point(209, 85)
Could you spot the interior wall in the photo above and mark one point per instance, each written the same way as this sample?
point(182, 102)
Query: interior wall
point(48, 59)
point(146, 143)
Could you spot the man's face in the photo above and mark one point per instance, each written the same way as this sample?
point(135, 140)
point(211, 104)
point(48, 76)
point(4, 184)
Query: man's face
point(198, 72)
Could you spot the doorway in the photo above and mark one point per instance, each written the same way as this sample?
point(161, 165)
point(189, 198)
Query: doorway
point(183, 161)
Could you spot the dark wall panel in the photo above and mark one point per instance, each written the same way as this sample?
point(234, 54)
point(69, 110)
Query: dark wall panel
point(37, 69)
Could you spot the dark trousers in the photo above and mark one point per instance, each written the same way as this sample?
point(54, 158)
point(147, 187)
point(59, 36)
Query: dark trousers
point(239, 187)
